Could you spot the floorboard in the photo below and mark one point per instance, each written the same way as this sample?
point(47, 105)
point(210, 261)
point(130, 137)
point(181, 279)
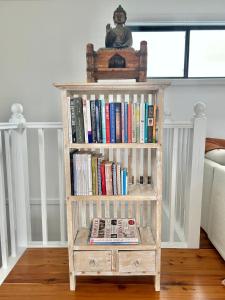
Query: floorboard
point(42, 274)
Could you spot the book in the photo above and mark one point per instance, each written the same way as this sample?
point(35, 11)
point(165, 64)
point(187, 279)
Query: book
point(114, 231)
point(142, 121)
point(108, 178)
point(98, 116)
point(73, 125)
point(103, 121)
point(118, 123)
point(107, 123)
point(79, 119)
point(85, 120)
point(93, 121)
point(129, 123)
point(88, 121)
point(150, 123)
point(112, 112)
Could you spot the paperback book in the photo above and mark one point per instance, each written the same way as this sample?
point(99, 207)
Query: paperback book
point(114, 232)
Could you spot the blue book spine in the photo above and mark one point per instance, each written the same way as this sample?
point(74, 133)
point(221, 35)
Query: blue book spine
point(146, 124)
point(124, 181)
point(103, 122)
point(125, 122)
point(112, 113)
point(97, 114)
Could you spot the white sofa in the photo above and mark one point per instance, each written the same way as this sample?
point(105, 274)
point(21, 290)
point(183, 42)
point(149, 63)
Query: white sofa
point(213, 199)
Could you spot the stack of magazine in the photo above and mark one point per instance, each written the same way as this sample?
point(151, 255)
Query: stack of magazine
point(114, 232)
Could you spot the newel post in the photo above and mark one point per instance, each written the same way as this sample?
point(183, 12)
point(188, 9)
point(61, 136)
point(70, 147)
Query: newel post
point(193, 212)
point(20, 175)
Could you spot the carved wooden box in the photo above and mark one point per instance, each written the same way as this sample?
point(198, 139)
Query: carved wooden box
point(112, 63)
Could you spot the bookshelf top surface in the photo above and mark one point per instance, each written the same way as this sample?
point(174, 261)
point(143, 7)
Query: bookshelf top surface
point(151, 85)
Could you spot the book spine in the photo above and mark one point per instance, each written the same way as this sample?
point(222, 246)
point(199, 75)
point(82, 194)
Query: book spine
point(89, 121)
point(146, 124)
point(112, 122)
point(108, 179)
point(138, 123)
point(89, 175)
point(103, 121)
point(114, 179)
point(129, 121)
point(79, 120)
point(154, 140)
point(118, 123)
point(107, 122)
point(118, 177)
point(85, 120)
point(74, 175)
point(69, 120)
point(98, 120)
point(93, 170)
point(99, 177)
point(125, 181)
point(125, 122)
point(150, 124)
point(103, 178)
point(73, 124)
point(134, 137)
point(93, 121)
point(122, 121)
point(142, 121)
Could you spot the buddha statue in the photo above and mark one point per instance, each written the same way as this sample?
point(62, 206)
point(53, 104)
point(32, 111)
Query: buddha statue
point(119, 36)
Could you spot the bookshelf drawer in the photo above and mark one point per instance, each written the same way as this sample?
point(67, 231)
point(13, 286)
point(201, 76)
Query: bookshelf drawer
point(92, 261)
point(136, 261)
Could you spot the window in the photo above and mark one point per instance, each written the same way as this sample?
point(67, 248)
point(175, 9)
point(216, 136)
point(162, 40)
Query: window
point(183, 51)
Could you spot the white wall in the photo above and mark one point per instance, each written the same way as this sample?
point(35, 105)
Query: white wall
point(44, 41)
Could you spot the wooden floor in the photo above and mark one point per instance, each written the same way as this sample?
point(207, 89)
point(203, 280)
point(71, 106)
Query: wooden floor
point(186, 274)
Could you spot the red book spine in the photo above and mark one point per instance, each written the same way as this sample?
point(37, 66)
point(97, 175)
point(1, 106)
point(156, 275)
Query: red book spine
point(102, 168)
point(129, 123)
point(107, 123)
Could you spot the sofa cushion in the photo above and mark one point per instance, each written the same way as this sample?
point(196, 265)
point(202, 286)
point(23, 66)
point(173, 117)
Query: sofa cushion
point(217, 155)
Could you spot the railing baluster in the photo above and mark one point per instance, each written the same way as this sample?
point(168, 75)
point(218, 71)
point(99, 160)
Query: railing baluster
point(61, 185)
point(10, 193)
point(173, 184)
point(41, 140)
point(3, 220)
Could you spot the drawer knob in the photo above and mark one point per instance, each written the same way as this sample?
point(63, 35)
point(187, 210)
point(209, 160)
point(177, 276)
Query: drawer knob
point(92, 262)
point(137, 263)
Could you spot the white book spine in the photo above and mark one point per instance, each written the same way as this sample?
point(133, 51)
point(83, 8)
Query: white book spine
point(103, 119)
point(134, 137)
point(85, 118)
point(89, 175)
point(142, 120)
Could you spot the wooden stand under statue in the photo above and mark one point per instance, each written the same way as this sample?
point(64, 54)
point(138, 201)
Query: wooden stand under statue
point(112, 63)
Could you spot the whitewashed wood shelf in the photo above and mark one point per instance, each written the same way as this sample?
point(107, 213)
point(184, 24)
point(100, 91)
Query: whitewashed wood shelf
point(137, 192)
point(147, 241)
point(143, 202)
point(115, 146)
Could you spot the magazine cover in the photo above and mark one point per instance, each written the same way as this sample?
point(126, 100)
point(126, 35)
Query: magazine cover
point(114, 231)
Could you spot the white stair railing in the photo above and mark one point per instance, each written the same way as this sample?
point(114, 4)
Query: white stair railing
point(183, 172)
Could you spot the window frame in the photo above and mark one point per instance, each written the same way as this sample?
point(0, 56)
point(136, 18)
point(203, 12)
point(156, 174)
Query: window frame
point(185, 28)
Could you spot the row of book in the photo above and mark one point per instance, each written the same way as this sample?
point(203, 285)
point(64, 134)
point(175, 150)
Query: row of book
point(97, 121)
point(92, 175)
point(114, 232)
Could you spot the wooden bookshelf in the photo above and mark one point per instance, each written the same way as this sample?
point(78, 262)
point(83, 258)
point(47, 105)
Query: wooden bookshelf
point(143, 201)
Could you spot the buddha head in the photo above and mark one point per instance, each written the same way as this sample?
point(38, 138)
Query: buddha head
point(119, 16)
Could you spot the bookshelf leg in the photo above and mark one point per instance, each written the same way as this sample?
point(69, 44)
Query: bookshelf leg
point(157, 282)
point(72, 282)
